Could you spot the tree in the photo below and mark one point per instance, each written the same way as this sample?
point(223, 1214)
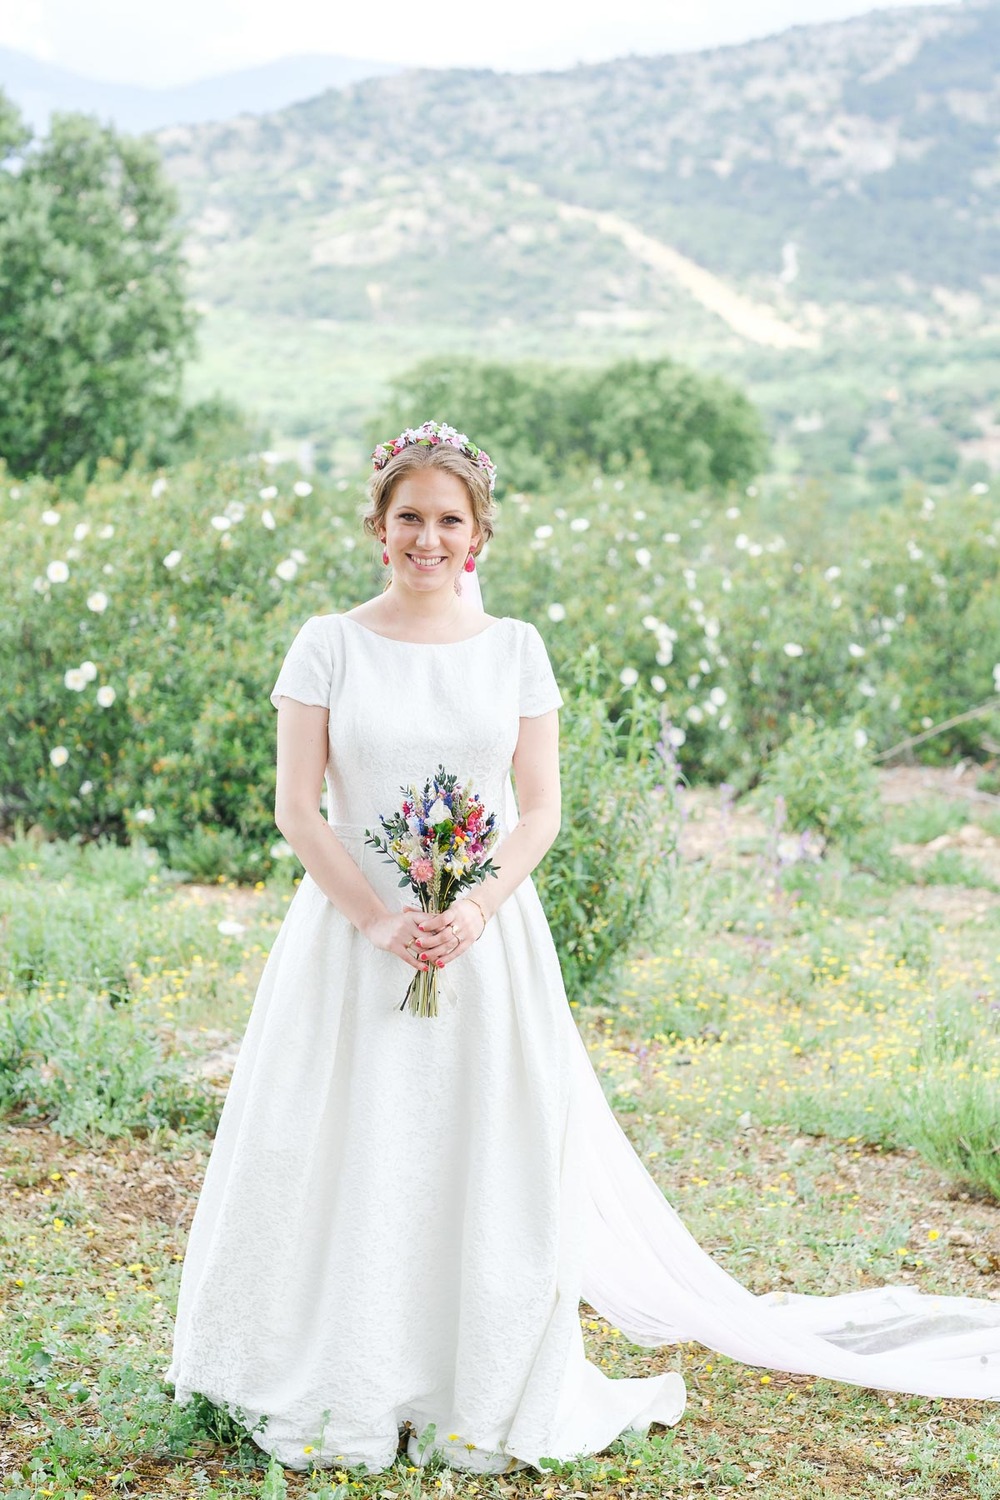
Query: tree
point(538, 420)
point(94, 325)
point(687, 428)
point(520, 413)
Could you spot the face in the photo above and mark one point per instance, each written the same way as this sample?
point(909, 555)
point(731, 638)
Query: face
point(429, 529)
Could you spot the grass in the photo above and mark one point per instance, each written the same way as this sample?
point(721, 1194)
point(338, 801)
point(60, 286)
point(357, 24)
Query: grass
point(926, 818)
point(792, 1059)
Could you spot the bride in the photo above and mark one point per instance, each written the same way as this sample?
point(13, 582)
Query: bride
point(401, 1214)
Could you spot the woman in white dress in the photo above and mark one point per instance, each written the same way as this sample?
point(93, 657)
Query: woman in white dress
point(401, 1214)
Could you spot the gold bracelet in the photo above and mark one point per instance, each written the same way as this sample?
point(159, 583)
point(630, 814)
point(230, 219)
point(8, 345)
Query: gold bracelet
point(479, 909)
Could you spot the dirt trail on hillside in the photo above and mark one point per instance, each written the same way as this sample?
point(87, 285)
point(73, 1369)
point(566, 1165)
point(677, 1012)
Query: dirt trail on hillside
point(751, 320)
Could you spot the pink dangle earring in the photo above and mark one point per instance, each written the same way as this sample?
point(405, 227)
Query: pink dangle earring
point(470, 562)
point(385, 555)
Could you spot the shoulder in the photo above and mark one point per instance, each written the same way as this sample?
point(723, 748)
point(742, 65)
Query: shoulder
point(528, 634)
point(522, 627)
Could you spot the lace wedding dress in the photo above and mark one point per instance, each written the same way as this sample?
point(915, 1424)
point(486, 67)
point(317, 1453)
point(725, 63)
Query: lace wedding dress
point(400, 1215)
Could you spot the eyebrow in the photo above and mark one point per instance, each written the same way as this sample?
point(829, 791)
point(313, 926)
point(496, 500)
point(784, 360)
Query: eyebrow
point(449, 510)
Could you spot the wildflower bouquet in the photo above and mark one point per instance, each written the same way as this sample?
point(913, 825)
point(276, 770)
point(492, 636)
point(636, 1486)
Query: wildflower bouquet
point(440, 840)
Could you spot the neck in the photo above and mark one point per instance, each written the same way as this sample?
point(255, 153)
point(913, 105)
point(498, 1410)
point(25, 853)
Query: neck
point(440, 607)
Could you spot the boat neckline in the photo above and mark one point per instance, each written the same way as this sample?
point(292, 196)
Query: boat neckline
point(397, 641)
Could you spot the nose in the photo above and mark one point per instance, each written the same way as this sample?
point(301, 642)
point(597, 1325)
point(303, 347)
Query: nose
point(428, 536)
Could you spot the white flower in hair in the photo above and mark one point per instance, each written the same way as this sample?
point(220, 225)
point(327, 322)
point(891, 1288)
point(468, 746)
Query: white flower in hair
point(430, 434)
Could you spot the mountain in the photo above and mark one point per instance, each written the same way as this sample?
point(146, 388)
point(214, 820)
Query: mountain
point(816, 211)
point(38, 88)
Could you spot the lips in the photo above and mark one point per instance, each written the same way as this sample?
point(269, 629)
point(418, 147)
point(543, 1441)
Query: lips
point(426, 564)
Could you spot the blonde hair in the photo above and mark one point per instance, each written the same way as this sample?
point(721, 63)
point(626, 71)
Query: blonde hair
point(440, 456)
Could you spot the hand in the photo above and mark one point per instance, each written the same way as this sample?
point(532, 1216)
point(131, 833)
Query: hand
point(448, 934)
point(397, 932)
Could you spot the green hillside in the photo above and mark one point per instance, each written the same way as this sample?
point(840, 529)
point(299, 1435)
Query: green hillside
point(814, 213)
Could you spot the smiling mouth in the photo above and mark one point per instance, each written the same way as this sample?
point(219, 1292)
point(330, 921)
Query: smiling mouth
point(426, 563)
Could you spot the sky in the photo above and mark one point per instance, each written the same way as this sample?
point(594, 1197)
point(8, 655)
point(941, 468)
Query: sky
point(151, 44)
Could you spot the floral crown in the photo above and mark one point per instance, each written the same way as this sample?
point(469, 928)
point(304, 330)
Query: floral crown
point(429, 436)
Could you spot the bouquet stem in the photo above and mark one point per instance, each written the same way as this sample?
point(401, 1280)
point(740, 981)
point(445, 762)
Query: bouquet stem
point(422, 995)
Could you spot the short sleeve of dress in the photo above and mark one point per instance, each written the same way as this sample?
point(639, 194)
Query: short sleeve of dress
point(307, 670)
point(539, 689)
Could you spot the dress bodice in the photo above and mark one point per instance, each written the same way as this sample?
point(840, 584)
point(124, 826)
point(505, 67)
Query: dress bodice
point(400, 709)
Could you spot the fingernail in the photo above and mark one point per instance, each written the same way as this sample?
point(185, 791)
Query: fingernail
point(422, 957)
point(440, 963)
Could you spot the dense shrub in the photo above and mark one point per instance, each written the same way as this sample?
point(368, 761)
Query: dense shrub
point(599, 882)
point(826, 782)
point(144, 623)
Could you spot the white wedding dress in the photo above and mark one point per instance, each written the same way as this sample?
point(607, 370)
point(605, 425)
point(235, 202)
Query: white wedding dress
point(400, 1215)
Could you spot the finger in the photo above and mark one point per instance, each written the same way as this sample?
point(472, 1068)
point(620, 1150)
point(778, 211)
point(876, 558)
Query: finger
point(433, 921)
point(412, 954)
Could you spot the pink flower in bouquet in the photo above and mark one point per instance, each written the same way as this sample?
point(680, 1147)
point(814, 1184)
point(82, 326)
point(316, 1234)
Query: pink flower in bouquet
point(422, 870)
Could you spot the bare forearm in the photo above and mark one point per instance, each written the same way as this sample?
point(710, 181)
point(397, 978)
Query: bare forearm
point(516, 856)
point(332, 868)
